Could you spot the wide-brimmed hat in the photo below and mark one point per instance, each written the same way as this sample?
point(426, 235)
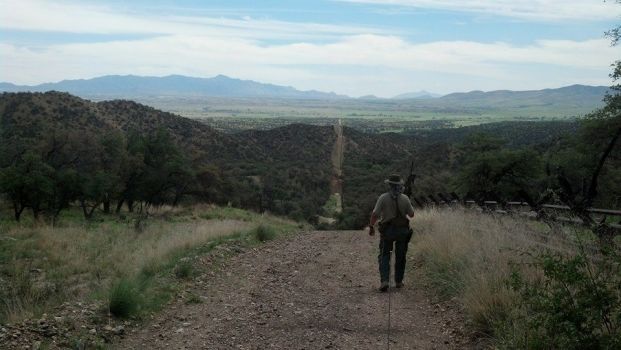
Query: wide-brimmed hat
point(394, 179)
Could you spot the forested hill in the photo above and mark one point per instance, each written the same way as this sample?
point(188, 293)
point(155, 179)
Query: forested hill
point(25, 113)
point(57, 150)
point(284, 170)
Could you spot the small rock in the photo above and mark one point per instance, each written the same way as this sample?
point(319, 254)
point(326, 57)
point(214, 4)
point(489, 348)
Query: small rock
point(93, 331)
point(120, 330)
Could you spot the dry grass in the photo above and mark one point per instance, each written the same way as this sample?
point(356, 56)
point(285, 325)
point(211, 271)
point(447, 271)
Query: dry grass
point(470, 256)
point(43, 266)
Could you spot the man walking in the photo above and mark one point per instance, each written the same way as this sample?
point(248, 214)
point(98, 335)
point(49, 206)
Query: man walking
point(392, 210)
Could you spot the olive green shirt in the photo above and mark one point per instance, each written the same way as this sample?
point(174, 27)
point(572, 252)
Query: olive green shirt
point(386, 208)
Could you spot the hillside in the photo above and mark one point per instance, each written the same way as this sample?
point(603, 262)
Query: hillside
point(285, 170)
point(122, 86)
point(571, 96)
point(435, 155)
point(26, 113)
point(571, 100)
point(253, 170)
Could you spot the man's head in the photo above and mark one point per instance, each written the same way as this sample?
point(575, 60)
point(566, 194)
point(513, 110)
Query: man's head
point(396, 184)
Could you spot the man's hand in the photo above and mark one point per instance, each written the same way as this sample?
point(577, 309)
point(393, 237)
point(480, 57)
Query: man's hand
point(371, 230)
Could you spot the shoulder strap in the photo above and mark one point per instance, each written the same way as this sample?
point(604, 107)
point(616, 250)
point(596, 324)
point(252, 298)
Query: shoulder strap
point(399, 214)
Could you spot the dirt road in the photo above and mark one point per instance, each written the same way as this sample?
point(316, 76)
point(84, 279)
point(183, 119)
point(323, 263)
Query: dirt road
point(338, 154)
point(315, 290)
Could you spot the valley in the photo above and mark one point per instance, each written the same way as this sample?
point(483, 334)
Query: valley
point(205, 175)
point(118, 175)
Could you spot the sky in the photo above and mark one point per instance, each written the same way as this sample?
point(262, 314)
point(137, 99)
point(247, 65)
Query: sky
point(352, 47)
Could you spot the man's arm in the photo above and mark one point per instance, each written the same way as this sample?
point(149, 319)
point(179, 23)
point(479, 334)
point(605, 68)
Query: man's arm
point(372, 223)
point(375, 215)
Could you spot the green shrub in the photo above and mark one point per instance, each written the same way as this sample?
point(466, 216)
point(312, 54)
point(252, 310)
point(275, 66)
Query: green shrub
point(184, 269)
point(124, 298)
point(264, 233)
point(575, 305)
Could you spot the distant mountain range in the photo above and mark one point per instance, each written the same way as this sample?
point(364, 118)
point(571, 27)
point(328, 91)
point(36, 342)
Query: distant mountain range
point(422, 94)
point(123, 86)
point(570, 95)
point(570, 100)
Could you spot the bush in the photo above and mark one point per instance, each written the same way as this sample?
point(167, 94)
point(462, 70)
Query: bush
point(264, 233)
point(124, 299)
point(575, 305)
point(184, 269)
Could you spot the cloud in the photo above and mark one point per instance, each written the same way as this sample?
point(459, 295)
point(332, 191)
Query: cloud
point(71, 17)
point(536, 10)
point(339, 65)
point(347, 59)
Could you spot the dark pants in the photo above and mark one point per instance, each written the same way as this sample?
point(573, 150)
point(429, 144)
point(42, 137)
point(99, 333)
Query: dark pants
point(397, 239)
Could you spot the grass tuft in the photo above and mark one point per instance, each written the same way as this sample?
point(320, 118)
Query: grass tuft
point(184, 269)
point(192, 298)
point(264, 233)
point(124, 300)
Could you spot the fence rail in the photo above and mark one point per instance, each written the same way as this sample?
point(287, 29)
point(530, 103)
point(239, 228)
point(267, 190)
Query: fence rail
point(524, 208)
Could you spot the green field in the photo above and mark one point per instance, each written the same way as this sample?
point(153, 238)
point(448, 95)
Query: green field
point(366, 115)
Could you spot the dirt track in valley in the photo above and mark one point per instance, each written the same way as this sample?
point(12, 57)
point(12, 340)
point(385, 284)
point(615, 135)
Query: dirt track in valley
point(314, 290)
point(337, 157)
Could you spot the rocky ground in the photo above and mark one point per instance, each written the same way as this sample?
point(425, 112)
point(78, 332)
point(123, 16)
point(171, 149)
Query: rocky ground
point(73, 325)
point(315, 290)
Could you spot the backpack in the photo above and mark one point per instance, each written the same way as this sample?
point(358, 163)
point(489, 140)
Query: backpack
point(400, 220)
point(397, 229)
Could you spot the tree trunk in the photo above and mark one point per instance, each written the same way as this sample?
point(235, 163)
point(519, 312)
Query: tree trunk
point(119, 206)
point(18, 209)
point(88, 211)
point(106, 205)
point(592, 192)
point(84, 211)
point(35, 213)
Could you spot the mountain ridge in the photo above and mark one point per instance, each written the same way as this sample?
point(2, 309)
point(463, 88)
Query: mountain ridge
point(170, 85)
point(422, 94)
point(130, 86)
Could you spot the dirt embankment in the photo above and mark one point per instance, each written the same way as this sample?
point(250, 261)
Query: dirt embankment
point(315, 290)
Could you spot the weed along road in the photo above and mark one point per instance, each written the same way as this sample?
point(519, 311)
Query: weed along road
point(314, 290)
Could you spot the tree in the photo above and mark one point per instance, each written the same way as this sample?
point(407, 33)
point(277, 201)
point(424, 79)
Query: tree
point(598, 147)
point(131, 170)
point(490, 171)
point(167, 173)
point(28, 183)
